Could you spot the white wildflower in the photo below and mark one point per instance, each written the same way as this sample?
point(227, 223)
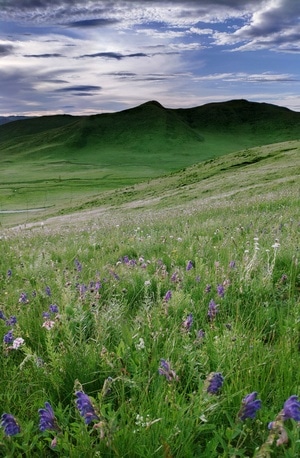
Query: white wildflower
point(17, 343)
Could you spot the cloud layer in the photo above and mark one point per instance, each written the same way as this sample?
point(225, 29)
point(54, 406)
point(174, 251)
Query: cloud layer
point(119, 54)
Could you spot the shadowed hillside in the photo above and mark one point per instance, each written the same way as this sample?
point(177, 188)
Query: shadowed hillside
point(189, 135)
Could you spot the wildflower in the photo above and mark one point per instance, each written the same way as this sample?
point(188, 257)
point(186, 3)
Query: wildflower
point(276, 244)
point(200, 334)
point(147, 283)
point(23, 298)
point(48, 324)
point(9, 273)
point(207, 288)
point(11, 321)
point(291, 408)
point(48, 291)
point(141, 344)
point(189, 266)
point(198, 279)
point(250, 405)
point(212, 310)
point(174, 277)
point(220, 290)
point(46, 315)
point(232, 264)
point(53, 308)
point(9, 424)
point(78, 265)
point(168, 295)
point(85, 407)
point(284, 278)
point(166, 370)
point(2, 316)
point(216, 381)
point(47, 418)
point(187, 324)
point(17, 343)
point(8, 338)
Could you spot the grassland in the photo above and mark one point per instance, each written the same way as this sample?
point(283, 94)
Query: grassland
point(141, 297)
point(59, 162)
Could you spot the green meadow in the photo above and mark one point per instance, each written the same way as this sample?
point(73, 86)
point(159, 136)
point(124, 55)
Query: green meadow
point(150, 308)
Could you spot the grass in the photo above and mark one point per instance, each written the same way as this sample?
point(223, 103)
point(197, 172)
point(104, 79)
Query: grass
point(59, 162)
point(118, 272)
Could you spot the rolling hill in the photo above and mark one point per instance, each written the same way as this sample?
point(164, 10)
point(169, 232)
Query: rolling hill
point(64, 161)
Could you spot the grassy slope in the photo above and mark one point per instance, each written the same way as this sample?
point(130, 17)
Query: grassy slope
point(233, 178)
point(63, 161)
point(212, 213)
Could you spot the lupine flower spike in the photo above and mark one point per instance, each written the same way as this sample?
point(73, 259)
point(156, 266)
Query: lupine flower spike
point(9, 424)
point(291, 410)
point(187, 324)
point(47, 418)
point(212, 310)
point(85, 407)
point(165, 369)
point(250, 405)
point(215, 382)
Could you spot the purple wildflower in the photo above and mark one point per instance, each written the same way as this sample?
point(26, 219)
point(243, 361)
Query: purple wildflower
point(85, 407)
point(166, 370)
point(8, 338)
point(11, 321)
point(46, 315)
point(168, 295)
point(9, 424)
point(232, 264)
point(207, 288)
point(216, 381)
point(23, 298)
point(284, 278)
point(220, 290)
point(9, 273)
point(78, 265)
point(47, 418)
point(2, 316)
point(250, 405)
point(198, 279)
point(200, 334)
point(189, 266)
point(291, 408)
point(174, 277)
point(114, 274)
point(187, 324)
point(53, 308)
point(97, 285)
point(48, 291)
point(212, 310)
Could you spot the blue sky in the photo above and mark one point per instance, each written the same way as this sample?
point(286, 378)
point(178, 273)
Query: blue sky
point(85, 57)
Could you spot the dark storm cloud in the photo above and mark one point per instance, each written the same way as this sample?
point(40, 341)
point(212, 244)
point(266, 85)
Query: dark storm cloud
point(79, 89)
point(92, 23)
point(6, 49)
point(113, 55)
point(43, 56)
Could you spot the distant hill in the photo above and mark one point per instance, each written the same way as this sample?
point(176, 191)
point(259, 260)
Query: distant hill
point(6, 119)
point(170, 138)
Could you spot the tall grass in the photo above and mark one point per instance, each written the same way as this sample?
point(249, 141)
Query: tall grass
point(99, 306)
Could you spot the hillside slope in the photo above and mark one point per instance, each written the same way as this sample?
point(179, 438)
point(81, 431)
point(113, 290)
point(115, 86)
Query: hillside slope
point(189, 135)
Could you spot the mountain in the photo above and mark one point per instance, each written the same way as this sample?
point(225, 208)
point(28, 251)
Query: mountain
point(6, 119)
point(168, 138)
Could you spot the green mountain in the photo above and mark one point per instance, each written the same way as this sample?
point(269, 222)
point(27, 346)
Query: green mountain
point(174, 137)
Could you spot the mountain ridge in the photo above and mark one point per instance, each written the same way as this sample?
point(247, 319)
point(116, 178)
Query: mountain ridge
point(175, 137)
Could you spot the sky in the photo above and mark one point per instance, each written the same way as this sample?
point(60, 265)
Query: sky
point(83, 57)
